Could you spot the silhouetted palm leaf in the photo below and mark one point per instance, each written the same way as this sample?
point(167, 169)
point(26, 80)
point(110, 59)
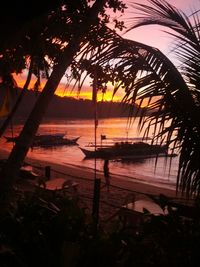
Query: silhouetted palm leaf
point(173, 92)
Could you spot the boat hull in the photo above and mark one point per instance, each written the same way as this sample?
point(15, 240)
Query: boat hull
point(48, 140)
point(136, 150)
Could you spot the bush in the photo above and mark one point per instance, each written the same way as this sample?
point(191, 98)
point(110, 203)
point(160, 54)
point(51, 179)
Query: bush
point(49, 229)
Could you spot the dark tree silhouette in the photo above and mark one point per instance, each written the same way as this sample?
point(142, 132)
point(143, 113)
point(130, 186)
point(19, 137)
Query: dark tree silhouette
point(84, 15)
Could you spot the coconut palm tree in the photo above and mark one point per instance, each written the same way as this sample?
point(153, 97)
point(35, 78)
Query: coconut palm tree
point(35, 48)
point(172, 92)
point(90, 25)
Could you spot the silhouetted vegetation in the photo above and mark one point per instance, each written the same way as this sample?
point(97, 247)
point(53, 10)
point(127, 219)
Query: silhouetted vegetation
point(38, 229)
point(43, 229)
point(48, 46)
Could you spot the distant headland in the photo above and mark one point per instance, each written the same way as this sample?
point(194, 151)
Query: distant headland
point(67, 107)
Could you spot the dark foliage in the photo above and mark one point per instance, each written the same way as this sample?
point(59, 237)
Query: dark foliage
point(43, 229)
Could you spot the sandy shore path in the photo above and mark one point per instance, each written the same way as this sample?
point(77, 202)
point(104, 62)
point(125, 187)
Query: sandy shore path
point(122, 191)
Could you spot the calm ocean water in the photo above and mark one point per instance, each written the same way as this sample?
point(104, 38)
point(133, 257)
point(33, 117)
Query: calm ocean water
point(113, 129)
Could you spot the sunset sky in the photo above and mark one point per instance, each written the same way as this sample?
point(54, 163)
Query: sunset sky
point(150, 35)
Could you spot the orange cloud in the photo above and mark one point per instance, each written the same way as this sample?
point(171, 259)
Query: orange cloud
point(86, 93)
point(63, 91)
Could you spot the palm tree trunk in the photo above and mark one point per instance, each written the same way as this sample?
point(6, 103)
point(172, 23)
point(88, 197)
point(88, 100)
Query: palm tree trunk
point(18, 102)
point(18, 154)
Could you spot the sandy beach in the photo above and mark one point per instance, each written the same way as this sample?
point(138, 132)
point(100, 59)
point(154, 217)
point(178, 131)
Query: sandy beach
point(121, 191)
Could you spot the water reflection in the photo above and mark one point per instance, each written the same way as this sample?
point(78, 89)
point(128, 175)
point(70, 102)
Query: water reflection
point(113, 129)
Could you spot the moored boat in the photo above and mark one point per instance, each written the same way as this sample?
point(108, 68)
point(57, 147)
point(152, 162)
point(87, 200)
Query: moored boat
point(48, 140)
point(37, 137)
point(57, 142)
point(125, 149)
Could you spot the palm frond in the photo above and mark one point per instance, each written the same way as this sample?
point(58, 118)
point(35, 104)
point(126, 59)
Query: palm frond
point(147, 75)
point(176, 89)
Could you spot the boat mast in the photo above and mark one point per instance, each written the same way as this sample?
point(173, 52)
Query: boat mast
point(97, 181)
point(94, 98)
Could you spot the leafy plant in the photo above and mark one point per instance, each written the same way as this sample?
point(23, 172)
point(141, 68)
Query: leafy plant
point(45, 228)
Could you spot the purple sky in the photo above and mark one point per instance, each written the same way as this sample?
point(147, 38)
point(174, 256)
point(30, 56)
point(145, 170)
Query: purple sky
point(150, 35)
point(153, 35)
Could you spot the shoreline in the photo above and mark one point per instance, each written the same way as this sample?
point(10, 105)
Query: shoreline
point(88, 173)
point(122, 191)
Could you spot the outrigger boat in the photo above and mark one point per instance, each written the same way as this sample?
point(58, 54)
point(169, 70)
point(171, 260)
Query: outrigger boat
point(48, 140)
point(37, 137)
point(125, 149)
